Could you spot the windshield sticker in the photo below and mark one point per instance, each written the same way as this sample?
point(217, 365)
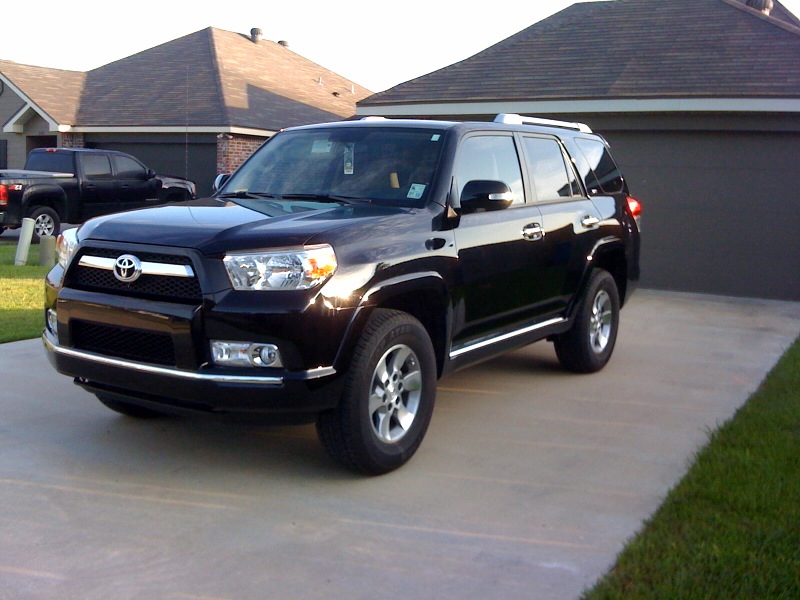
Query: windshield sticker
point(321, 147)
point(436, 137)
point(349, 156)
point(416, 190)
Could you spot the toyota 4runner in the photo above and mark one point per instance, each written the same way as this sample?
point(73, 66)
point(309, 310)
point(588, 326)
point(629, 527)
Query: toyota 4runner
point(343, 269)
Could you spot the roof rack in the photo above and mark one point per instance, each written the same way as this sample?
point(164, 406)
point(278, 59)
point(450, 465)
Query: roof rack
point(514, 119)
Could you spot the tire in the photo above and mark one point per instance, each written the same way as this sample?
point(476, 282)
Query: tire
point(588, 345)
point(128, 409)
point(46, 222)
point(388, 398)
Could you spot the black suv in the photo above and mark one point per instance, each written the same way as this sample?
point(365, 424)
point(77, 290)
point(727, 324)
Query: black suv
point(343, 269)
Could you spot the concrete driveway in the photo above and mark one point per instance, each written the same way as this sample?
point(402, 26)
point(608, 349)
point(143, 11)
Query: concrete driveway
point(528, 484)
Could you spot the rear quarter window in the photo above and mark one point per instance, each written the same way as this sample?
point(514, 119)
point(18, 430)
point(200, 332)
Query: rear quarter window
point(597, 168)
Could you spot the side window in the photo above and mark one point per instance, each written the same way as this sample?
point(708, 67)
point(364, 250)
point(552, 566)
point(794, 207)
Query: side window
point(598, 169)
point(490, 157)
point(552, 178)
point(96, 166)
point(127, 168)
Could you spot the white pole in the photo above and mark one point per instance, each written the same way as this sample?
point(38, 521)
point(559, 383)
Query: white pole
point(24, 244)
point(47, 250)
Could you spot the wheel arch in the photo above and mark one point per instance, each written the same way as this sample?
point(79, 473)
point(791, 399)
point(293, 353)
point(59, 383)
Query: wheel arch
point(51, 196)
point(424, 296)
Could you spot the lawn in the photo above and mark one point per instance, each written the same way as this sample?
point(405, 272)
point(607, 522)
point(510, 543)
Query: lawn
point(731, 527)
point(21, 295)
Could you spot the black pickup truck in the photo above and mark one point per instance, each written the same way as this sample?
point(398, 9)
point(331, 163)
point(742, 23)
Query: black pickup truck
point(343, 269)
point(61, 185)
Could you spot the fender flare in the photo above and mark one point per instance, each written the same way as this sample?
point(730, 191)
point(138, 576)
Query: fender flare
point(380, 294)
point(603, 247)
point(45, 194)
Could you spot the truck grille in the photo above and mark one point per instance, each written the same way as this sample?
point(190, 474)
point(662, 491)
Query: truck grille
point(159, 287)
point(121, 342)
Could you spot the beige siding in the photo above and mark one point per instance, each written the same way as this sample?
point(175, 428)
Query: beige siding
point(10, 103)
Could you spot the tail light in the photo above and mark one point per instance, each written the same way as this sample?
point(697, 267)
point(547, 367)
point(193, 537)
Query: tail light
point(3, 195)
point(636, 210)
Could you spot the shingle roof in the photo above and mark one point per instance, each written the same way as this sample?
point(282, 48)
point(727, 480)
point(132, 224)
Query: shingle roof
point(626, 49)
point(210, 78)
point(55, 91)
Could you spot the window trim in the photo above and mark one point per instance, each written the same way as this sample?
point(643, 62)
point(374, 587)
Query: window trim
point(569, 166)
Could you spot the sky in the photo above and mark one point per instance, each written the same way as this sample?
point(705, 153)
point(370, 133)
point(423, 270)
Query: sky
point(373, 43)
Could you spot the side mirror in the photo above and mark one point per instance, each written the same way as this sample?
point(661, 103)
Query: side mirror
point(219, 181)
point(150, 174)
point(482, 194)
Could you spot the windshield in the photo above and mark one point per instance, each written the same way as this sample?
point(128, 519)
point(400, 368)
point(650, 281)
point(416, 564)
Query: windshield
point(386, 166)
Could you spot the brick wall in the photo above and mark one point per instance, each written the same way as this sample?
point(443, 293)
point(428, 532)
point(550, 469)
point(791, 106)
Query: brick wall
point(233, 150)
point(72, 140)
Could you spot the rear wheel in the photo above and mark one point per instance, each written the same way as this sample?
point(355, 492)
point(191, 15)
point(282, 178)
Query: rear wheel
point(588, 345)
point(388, 398)
point(45, 222)
point(128, 409)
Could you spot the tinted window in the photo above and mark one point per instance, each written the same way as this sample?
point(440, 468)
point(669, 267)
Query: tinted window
point(599, 171)
point(551, 177)
point(490, 157)
point(390, 166)
point(57, 162)
point(96, 165)
point(128, 168)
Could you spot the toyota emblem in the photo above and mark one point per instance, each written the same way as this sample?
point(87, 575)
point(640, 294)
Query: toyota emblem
point(127, 268)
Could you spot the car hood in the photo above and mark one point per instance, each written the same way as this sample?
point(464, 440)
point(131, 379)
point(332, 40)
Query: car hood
point(212, 227)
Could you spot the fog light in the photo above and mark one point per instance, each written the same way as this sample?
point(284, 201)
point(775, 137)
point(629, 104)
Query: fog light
point(245, 354)
point(52, 322)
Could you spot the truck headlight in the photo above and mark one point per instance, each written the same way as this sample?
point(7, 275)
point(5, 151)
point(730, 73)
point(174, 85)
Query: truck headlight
point(66, 245)
point(284, 269)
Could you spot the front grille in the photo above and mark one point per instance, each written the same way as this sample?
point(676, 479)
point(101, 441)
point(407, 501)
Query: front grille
point(121, 342)
point(159, 287)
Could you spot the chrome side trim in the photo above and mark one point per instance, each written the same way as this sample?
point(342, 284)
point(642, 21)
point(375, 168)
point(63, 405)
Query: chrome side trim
point(164, 371)
point(505, 336)
point(148, 268)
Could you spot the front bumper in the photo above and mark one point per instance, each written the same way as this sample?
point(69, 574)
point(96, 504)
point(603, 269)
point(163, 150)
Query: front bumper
point(208, 389)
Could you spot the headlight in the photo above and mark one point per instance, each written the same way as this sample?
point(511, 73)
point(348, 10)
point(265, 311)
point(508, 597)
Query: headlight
point(66, 245)
point(285, 269)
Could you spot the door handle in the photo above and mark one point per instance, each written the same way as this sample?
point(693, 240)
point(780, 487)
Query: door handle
point(533, 232)
point(590, 221)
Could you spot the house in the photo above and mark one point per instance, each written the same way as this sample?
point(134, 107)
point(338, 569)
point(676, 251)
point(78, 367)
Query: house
point(700, 100)
point(194, 107)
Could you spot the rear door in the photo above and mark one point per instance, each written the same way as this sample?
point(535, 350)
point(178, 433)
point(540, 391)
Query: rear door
point(571, 221)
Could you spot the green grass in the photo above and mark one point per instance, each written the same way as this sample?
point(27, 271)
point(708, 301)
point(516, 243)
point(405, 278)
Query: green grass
point(21, 295)
point(731, 527)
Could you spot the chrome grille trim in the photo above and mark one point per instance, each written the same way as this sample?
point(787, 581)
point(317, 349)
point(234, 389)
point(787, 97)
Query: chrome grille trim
point(148, 268)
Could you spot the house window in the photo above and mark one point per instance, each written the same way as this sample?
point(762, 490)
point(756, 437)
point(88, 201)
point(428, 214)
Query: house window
point(3, 154)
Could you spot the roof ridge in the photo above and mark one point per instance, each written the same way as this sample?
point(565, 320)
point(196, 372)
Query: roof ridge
point(220, 95)
point(795, 29)
point(540, 26)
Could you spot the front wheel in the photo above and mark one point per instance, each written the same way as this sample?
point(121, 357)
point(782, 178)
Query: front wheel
point(587, 346)
point(388, 398)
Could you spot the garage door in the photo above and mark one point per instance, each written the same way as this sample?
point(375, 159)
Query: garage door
point(721, 210)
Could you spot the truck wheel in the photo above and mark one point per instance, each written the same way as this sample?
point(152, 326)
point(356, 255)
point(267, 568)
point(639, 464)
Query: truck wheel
point(388, 398)
point(46, 222)
point(587, 346)
point(128, 409)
